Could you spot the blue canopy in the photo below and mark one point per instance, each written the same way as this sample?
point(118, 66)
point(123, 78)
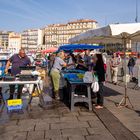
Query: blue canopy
point(72, 47)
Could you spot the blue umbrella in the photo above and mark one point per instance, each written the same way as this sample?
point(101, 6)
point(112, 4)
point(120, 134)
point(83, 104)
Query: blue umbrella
point(72, 47)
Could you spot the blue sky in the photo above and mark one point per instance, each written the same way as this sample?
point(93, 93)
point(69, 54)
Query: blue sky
point(18, 15)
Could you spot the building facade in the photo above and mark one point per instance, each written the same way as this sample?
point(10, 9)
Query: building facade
point(59, 34)
point(4, 39)
point(14, 42)
point(32, 39)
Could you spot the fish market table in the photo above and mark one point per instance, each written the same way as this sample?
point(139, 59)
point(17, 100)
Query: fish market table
point(35, 83)
point(75, 98)
point(72, 83)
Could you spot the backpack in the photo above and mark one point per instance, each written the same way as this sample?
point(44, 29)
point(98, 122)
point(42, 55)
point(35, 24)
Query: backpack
point(131, 62)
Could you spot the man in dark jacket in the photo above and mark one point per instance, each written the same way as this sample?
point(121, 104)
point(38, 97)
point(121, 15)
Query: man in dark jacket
point(131, 64)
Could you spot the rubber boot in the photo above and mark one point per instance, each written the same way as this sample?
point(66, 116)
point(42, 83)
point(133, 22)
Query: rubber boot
point(57, 97)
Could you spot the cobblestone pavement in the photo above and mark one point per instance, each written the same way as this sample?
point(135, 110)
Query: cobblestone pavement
point(57, 122)
point(128, 116)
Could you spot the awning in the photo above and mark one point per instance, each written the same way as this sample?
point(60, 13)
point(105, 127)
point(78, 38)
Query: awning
point(72, 47)
point(50, 50)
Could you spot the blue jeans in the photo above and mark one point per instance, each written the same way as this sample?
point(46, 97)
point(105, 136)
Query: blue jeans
point(131, 70)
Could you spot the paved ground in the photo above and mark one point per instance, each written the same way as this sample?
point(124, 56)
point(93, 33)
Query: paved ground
point(57, 122)
point(128, 116)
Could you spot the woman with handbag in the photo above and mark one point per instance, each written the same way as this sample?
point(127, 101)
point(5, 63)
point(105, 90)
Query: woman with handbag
point(100, 71)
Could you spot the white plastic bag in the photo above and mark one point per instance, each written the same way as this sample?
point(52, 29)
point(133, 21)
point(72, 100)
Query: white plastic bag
point(88, 77)
point(126, 78)
point(95, 86)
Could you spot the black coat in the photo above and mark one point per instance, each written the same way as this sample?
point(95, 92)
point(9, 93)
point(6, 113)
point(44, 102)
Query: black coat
point(99, 68)
point(131, 62)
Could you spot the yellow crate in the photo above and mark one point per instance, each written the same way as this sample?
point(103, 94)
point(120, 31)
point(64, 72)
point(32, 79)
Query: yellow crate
point(14, 102)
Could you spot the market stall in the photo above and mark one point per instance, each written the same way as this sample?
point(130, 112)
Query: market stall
point(76, 88)
point(74, 84)
point(113, 33)
point(32, 81)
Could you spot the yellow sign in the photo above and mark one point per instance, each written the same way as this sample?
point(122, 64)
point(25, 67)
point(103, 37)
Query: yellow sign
point(14, 102)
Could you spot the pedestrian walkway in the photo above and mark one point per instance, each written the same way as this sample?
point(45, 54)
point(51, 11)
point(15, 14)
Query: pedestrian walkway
point(57, 122)
point(54, 123)
point(129, 117)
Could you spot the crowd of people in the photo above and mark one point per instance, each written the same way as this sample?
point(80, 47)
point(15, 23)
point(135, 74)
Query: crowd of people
point(56, 62)
point(116, 62)
point(83, 61)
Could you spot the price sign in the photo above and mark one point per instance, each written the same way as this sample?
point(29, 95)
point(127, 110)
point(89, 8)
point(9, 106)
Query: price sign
point(15, 104)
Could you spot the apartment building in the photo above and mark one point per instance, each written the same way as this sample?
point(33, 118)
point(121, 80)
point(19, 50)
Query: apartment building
point(14, 42)
point(59, 34)
point(32, 39)
point(4, 39)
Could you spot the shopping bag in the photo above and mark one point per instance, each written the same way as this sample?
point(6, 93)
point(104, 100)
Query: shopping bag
point(88, 77)
point(126, 78)
point(95, 86)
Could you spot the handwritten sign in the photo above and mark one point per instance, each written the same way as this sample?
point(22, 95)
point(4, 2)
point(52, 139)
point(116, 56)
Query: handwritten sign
point(15, 104)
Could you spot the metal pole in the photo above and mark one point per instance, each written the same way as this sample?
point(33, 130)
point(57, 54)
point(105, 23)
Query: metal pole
point(123, 102)
point(125, 48)
point(136, 19)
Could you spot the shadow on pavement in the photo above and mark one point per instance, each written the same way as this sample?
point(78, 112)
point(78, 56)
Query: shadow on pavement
point(110, 92)
point(138, 112)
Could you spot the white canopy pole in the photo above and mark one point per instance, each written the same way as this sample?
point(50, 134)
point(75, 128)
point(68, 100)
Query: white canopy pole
point(123, 102)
